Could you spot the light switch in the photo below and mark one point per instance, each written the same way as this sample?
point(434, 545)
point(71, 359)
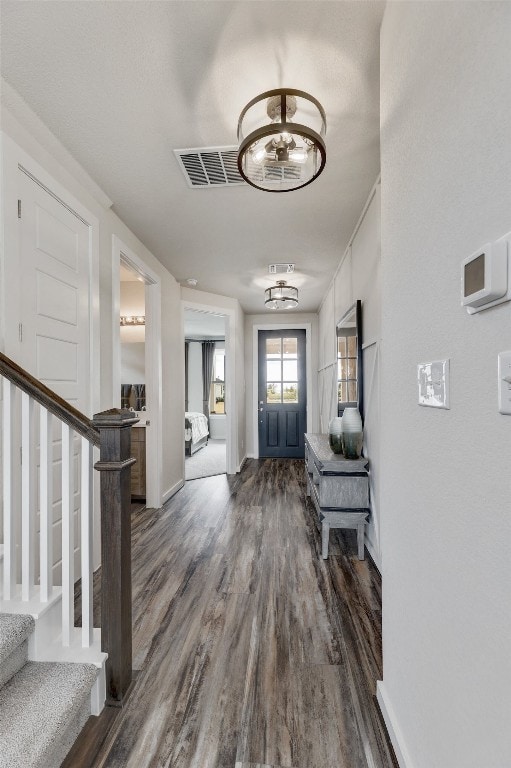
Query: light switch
point(504, 373)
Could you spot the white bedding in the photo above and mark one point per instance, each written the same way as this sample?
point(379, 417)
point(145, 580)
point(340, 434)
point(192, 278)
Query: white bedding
point(198, 426)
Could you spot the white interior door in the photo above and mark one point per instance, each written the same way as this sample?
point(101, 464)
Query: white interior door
point(55, 294)
point(54, 324)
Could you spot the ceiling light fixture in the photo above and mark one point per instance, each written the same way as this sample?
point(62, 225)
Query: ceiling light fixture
point(281, 296)
point(281, 140)
point(132, 320)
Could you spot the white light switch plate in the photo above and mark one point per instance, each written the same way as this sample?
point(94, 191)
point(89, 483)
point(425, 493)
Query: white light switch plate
point(433, 383)
point(504, 374)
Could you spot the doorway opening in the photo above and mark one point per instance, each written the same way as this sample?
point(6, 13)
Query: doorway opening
point(206, 404)
point(134, 374)
point(310, 417)
point(137, 368)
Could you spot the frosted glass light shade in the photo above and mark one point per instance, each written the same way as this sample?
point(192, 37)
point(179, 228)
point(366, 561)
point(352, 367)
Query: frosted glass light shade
point(281, 296)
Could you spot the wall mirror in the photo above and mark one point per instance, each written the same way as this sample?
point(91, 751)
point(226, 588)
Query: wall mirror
point(349, 360)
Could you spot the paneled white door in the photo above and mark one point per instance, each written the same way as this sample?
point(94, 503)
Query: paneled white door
point(55, 294)
point(54, 333)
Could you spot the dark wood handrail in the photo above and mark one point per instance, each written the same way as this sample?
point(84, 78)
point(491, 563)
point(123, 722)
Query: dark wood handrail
point(49, 399)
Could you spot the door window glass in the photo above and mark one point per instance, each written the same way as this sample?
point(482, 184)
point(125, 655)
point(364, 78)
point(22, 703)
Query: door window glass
point(290, 370)
point(290, 348)
point(291, 392)
point(282, 370)
point(273, 370)
point(273, 348)
point(274, 392)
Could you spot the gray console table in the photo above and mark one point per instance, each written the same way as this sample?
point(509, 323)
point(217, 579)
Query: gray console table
point(338, 488)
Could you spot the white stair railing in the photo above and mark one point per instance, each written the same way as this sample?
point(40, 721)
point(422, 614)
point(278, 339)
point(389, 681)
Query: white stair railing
point(28, 488)
point(47, 464)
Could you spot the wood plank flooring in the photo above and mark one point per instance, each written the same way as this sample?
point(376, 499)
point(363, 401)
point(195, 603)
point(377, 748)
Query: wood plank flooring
point(253, 652)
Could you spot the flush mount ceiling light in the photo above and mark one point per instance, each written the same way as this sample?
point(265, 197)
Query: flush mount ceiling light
point(132, 320)
point(281, 296)
point(281, 135)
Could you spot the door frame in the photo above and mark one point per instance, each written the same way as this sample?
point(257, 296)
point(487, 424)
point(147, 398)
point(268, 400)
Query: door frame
point(307, 327)
point(231, 426)
point(153, 360)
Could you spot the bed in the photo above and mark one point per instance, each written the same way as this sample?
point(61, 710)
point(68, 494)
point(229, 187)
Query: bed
point(196, 432)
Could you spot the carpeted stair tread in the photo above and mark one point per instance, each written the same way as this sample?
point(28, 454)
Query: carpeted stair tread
point(14, 630)
point(37, 707)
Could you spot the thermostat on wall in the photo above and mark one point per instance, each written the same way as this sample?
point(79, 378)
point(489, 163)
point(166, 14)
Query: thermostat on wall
point(485, 276)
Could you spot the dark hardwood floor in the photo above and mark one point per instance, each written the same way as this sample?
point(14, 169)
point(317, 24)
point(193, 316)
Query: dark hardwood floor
point(252, 650)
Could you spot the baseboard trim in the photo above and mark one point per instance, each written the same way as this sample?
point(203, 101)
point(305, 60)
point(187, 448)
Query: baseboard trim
point(240, 465)
point(251, 456)
point(172, 491)
point(372, 552)
point(393, 729)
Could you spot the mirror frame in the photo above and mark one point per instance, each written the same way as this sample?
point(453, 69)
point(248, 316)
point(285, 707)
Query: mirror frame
point(355, 308)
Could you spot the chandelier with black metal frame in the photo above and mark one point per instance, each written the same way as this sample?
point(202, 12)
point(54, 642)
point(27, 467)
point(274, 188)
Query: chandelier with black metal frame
point(281, 296)
point(277, 154)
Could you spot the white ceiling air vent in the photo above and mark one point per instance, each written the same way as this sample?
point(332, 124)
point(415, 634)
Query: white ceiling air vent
point(277, 269)
point(210, 166)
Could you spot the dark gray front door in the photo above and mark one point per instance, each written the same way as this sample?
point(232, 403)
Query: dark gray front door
point(282, 401)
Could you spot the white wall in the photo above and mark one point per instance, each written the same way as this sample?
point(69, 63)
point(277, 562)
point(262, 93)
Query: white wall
point(24, 127)
point(267, 319)
point(357, 277)
point(133, 362)
point(132, 302)
point(445, 474)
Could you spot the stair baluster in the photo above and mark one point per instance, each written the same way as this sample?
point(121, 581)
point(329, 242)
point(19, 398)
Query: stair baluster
point(86, 543)
point(7, 481)
point(45, 504)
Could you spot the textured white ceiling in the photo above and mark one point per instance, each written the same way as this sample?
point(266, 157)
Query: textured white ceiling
point(122, 84)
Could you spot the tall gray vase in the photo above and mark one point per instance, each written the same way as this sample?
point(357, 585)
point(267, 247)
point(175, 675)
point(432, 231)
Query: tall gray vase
point(352, 433)
point(335, 434)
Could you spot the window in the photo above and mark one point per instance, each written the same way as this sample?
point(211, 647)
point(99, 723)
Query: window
point(217, 393)
point(347, 366)
point(282, 370)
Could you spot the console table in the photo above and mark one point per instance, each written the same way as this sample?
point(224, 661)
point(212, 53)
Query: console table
point(338, 488)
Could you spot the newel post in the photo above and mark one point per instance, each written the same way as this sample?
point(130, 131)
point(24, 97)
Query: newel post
point(115, 462)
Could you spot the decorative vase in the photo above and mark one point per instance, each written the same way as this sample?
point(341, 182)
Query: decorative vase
point(335, 434)
point(352, 433)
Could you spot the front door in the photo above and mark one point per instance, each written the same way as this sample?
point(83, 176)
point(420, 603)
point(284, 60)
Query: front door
point(282, 401)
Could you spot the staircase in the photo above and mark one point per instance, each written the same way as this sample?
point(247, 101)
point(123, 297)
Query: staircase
point(43, 705)
point(54, 675)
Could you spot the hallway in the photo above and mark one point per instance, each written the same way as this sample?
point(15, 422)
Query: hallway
point(253, 651)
